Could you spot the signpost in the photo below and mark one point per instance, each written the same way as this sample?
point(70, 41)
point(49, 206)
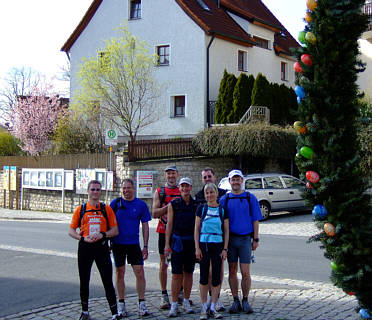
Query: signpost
point(111, 139)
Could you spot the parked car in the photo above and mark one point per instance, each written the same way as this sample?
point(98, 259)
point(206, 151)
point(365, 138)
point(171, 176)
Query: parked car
point(274, 191)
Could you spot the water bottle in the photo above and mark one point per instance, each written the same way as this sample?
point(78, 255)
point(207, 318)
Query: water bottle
point(168, 258)
point(253, 258)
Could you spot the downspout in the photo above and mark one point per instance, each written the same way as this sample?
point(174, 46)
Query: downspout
point(208, 106)
point(68, 56)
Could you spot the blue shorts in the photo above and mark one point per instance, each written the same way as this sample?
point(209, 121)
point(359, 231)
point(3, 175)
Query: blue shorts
point(240, 248)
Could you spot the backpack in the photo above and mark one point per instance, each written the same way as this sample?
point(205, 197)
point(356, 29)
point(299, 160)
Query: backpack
point(102, 209)
point(248, 197)
point(204, 214)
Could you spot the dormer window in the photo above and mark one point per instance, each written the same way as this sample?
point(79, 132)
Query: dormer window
point(262, 43)
point(135, 9)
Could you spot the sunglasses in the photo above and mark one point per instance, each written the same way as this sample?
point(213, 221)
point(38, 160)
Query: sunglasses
point(94, 189)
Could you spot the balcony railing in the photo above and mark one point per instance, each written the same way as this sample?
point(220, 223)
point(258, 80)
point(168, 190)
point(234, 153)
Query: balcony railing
point(367, 9)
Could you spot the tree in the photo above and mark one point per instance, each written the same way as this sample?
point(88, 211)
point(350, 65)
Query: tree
point(220, 103)
point(330, 111)
point(261, 95)
point(228, 115)
point(74, 134)
point(34, 118)
point(242, 95)
point(8, 145)
point(120, 81)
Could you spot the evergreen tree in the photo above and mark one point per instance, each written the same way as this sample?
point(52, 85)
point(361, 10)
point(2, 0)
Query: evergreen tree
point(329, 112)
point(261, 91)
point(228, 114)
point(277, 107)
point(242, 96)
point(220, 103)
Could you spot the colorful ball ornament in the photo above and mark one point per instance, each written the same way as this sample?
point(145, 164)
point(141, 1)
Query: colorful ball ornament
point(319, 211)
point(311, 4)
point(298, 100)
point(308, 185)
point(306, 59)
point(308, 17)
point(310, 37)
point(364, 313)
point(300, 92)
point(297, 67)
point(301, 37)
point(306, 152)
point(350, 293)
point(312, 176)
point(329, 229)
point(300, 127)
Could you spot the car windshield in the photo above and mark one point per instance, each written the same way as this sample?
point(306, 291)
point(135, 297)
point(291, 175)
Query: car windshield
point(254, 183)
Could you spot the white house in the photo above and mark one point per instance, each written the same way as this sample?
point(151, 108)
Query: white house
point(195, 40)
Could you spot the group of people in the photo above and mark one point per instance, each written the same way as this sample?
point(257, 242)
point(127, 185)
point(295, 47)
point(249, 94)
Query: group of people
point(208, 229)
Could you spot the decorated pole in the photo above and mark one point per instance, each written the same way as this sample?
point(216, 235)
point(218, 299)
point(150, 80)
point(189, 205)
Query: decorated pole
point(327, 144)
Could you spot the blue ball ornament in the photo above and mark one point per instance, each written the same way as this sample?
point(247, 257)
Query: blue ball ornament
point(298, 100)
point(319, 211)
point(365, 314)
point(300, 92)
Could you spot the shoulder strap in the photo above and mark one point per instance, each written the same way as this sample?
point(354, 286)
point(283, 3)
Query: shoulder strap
point(162, 196)
point(226, 200)
point(204, 212)
point(83, 208)
point(104, 213)
point(248, 197)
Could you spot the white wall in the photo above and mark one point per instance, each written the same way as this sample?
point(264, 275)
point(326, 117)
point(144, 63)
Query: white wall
point(162, 22)
point(365, 78)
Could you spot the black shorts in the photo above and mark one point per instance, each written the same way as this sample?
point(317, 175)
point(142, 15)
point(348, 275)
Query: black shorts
point(130, 252)
point(184, 261)
point(161, 243)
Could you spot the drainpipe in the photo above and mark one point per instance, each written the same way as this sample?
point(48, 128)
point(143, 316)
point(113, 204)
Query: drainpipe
point(68, 56)
point(208, 107)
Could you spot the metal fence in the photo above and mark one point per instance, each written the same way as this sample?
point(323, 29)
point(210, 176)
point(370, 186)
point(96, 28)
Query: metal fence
point(158, 149)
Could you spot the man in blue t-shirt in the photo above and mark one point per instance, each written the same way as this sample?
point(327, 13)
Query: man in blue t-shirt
point(244, 214)
point(130, 211)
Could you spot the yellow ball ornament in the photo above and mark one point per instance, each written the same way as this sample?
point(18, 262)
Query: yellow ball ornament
point(329, 229)
point(308, 17)
point(310, 37)
point(311, 4)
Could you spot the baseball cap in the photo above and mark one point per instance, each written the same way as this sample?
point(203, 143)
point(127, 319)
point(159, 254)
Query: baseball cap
point(234, 173)
point(174, 168)
point(185, 180)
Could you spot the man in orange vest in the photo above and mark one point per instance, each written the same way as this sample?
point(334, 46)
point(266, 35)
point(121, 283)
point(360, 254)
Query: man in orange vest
point(162, 197)
point(97, 223)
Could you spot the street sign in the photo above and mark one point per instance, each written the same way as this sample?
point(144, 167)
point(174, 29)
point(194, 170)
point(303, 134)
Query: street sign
point(111, 137)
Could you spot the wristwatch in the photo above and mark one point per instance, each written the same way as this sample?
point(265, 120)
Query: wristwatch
point(256, 239)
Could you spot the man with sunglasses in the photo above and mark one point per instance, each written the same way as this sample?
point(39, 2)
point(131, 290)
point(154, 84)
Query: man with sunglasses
point(97, 223)
point(208, 176)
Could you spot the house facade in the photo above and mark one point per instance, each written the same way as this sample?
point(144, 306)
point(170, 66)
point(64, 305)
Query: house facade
point(195, 41)
point(365, 46)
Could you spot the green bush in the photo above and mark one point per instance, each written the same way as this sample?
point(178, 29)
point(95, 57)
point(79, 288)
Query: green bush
point(242, 96)
point(9, 145)
point(261, 92)
point(254, 139)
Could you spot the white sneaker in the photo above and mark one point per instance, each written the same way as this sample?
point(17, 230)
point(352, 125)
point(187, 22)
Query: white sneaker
point(203, 315)
point(122, 312)
point(143, 311)
point(187, 307)
point(173, 312)
point(219, 306)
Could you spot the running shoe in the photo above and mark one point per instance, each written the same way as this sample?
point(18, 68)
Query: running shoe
point(142, 309)
point(215, 315)
point(235, 307)
point(187, 307)
point(84, 316)
point(219, 306)
point(246, 307)
point(164, 302)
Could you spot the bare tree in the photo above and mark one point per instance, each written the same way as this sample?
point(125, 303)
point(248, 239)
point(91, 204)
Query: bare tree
point(17, 82)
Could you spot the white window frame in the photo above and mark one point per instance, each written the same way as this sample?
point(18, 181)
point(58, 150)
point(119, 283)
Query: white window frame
point(245, 60)
point(285, 71)
point(169, 56)
point(172, 106)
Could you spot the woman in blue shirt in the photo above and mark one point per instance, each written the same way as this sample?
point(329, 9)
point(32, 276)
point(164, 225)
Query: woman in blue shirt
point(211, 242)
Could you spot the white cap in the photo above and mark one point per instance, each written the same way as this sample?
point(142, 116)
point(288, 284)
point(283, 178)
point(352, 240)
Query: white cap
point(234, 173)
point(185, 180)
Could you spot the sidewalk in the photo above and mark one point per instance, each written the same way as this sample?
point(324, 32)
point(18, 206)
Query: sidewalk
point(293, 300)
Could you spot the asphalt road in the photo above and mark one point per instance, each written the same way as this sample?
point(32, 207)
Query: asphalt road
point(39, 267)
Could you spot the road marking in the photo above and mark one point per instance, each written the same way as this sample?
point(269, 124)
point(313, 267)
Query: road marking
point(155, 265)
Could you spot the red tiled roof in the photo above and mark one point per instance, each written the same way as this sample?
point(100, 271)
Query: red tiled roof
point(217, 21)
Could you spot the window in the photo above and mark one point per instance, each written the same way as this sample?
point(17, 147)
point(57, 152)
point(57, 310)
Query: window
point(253, 183)
point(135, 9)
point(273, 183)
point(262, 43)
point(242, 60)
point(283, 71)
point(163, 55)
point(179, 106)
point(293, 183)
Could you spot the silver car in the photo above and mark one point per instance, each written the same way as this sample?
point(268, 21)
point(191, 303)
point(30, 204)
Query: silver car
point(274, 191)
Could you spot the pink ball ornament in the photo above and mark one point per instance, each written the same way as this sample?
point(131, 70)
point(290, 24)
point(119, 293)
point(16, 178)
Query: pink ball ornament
point(306, 59)
point(308, 185)
point(312, 176)
point(297, 67)
point(329, 229)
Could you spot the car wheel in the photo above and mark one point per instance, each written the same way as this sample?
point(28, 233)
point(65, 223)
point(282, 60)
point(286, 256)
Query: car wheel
point(265, 210)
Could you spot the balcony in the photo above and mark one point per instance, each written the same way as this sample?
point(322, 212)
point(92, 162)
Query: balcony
point(367, 9)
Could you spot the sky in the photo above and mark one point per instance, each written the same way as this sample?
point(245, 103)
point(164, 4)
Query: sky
point(33, 31)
